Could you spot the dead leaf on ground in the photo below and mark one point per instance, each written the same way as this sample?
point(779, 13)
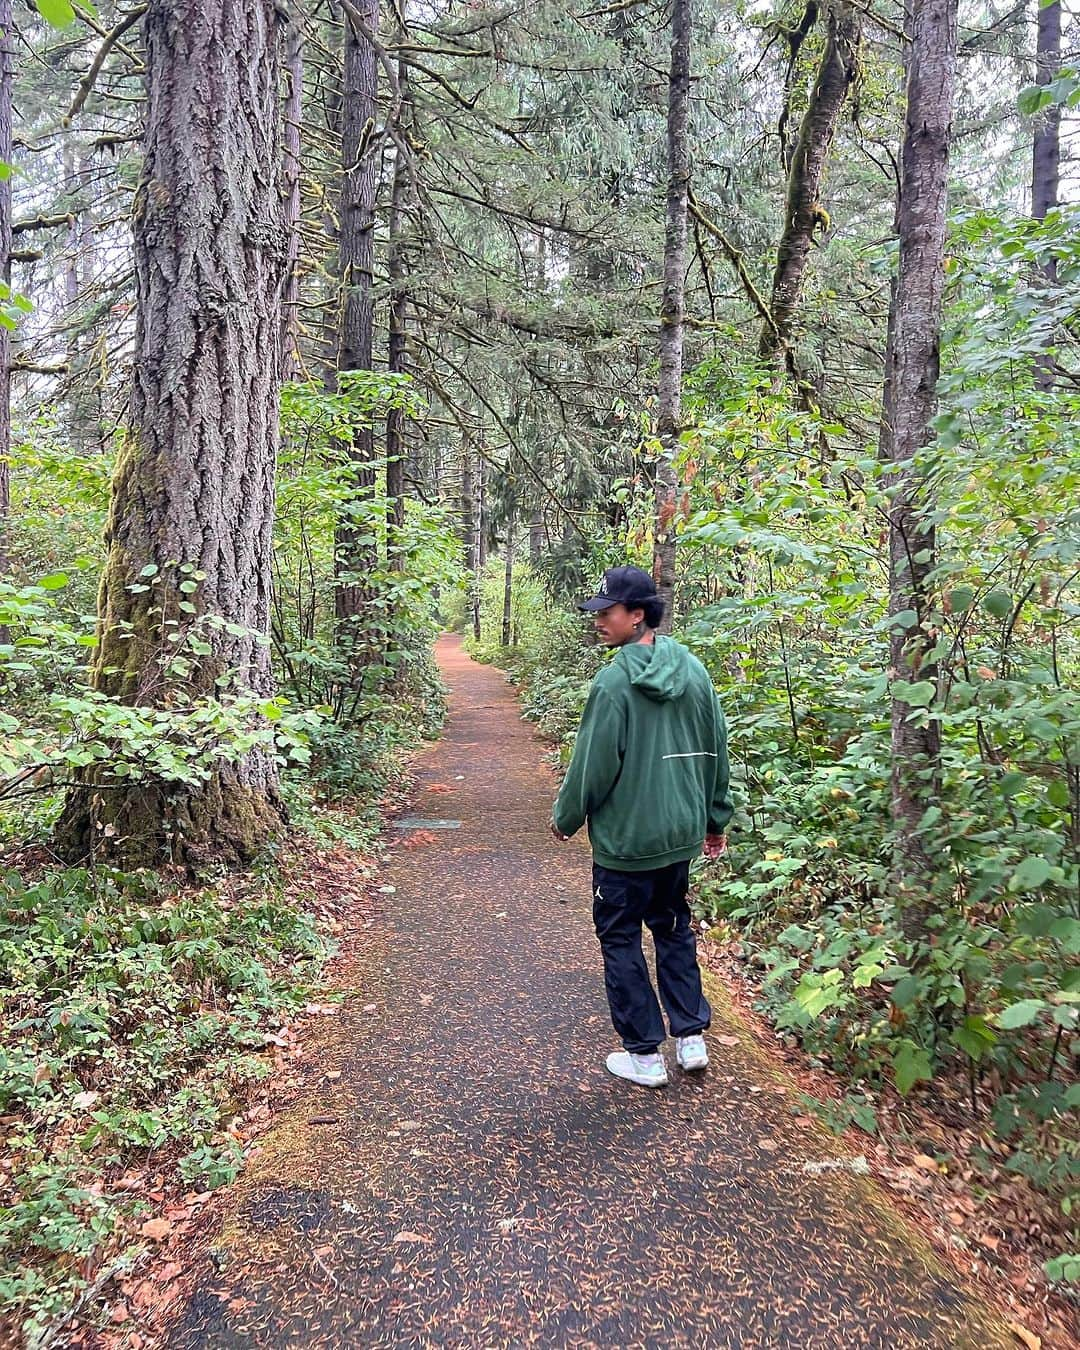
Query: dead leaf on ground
point(156, 1229)
point(406, 1236)
point(1029, 1338)
point(727, 1040)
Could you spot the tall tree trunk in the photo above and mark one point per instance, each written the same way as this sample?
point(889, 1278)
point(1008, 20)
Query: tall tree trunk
point(1046, 144)
point(357, 559)
point(508, 579)
point(397, 266)
point(1046, 150)
point(669, 404)
point(481, 509)
point(7, 76)
point(294, 78)
point(536, 536)
point(469, 536)
point(81, 384)
point(911, 372)
point(195, 481)
point(803, 210)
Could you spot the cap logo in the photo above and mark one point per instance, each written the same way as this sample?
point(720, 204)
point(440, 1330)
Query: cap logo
point(603, 585)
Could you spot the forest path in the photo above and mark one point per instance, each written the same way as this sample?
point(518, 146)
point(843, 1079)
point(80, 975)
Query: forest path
point(483, 1182)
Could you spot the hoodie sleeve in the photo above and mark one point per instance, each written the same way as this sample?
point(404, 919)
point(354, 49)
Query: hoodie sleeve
point(721, 808)
point(595, 764)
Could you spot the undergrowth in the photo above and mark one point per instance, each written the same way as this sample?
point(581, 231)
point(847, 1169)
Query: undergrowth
point(131, 1021)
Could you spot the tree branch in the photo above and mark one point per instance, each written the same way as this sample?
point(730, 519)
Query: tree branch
point(90, 78)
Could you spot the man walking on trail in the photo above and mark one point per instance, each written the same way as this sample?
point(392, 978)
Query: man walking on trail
point(649, 775)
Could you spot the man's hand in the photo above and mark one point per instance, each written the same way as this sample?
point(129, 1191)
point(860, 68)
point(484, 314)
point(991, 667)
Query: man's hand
point(562, 838)
point(715, 845)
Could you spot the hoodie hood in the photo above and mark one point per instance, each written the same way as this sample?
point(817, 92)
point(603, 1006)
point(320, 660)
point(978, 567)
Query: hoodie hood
point(660, 669)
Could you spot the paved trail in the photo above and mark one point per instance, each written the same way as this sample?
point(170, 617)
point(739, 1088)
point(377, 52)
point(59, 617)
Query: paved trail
point(488, 1184)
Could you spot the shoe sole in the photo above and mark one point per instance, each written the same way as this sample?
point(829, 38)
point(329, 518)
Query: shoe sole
point(641, 1082)
point(694, 1068)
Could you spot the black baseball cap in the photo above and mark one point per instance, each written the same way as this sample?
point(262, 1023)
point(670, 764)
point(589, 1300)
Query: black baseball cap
point(628, 586)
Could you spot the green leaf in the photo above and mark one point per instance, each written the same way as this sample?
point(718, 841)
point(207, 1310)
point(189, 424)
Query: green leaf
point(57, 12)
point(906, 991)
point(1036, 920)
point(1020, 1014)
point(975, 1037)
point(960, 598)
point(55, 581)
point(911, 1064)
point(1032, 873)
point(1033, 99)
point(998, 603)
point(1057, 794)
point(1066, 930)
point(1065, 1267)
point(917, 695)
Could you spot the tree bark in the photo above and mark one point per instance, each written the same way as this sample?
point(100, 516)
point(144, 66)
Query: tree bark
point(536, 537)
point(357, 559)
point(398, 268)
point(195, 481)
point(911, 371)
point(803, 210)
point(1046, 143)
point(7, 77)
point(82, 383)
point(481, 511)
point(294, 77)
point(469, 537)
point(508, 580)
point(669, 409)
point(1046, 152)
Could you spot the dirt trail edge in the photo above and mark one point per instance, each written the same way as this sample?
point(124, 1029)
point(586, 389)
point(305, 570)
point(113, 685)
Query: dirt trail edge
point(486, 1183)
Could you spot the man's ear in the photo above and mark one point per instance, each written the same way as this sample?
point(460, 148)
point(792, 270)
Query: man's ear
point(639, 612)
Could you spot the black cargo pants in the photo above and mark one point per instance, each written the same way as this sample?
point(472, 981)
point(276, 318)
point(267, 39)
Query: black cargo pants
point(622, 902)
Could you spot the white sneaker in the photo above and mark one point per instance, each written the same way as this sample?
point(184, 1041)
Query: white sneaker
point(691, 1052)
point(646, 1070)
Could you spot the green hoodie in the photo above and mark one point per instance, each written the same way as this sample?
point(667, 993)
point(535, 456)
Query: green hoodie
point(650, 769)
